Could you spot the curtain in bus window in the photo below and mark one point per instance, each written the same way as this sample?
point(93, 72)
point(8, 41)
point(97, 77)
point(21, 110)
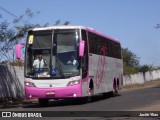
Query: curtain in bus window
point(42, 41)
point(65, 42)
point(93, 43)
point(109, 48)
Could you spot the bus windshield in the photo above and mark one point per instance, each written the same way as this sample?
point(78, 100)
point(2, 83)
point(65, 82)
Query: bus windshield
point(52, 54)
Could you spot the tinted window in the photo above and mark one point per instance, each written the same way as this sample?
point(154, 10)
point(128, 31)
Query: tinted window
point(40, 39)
point(85, 58)
point(96, 43)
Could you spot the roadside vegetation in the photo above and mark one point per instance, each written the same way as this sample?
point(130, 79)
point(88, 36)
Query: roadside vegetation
point(131, 63)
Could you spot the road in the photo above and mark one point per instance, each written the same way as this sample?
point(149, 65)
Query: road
point(127, 100)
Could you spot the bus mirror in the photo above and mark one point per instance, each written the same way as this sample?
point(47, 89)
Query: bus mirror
point(81, 48)
point(18, 50)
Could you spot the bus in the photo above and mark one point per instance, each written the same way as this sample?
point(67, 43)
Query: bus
point(79, 63)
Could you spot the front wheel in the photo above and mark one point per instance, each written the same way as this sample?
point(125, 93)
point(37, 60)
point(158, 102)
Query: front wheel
point(90, 94)
point(43, 102)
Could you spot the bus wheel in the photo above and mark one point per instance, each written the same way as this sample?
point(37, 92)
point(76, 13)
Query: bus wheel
point(118, 84)
point(43, 102)
point(90, 92)
point(89, 97)
point(115, 90)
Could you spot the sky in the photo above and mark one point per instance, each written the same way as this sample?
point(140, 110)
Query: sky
point(130, 21)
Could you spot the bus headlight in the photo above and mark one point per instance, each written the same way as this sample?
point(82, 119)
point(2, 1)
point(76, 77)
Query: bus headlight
point(30, 84)
point(75, 82)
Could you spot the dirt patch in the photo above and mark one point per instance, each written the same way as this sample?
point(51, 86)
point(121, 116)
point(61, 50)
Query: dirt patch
point(11, 104)
point(27, 101)
point(17, 103)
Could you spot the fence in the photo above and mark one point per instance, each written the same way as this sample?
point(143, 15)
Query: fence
point(12, 80)
point(141, 78)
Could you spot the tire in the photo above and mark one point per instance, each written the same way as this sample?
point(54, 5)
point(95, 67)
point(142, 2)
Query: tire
point(118, 87)
point(89, 97)
point(114, 93)
point(90, 92)
point(115, 89)
point(43, 102)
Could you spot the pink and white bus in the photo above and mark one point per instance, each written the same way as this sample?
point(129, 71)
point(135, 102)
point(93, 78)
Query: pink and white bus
point(80, 62)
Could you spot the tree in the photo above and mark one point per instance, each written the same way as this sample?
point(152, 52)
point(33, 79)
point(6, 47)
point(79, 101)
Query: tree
point(10, 36)
point(130, 61)
point(58, 22)
point(145, 68)
point(157, 26)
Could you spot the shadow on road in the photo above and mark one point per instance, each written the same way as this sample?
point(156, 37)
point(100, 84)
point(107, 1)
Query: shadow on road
point(70, 102)
point(156, 86)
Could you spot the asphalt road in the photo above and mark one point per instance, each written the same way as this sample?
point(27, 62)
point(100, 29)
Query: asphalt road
point(127, 100)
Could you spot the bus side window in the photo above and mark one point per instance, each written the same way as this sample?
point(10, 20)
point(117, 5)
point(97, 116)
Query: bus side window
point(85, 58)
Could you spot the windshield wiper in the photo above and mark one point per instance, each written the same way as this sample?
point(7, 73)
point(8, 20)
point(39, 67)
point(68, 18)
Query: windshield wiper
point(60, 68)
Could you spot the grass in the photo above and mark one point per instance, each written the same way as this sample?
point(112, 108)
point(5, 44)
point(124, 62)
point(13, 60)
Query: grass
point(146, 84)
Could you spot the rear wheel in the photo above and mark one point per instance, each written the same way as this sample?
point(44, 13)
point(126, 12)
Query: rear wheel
point(118, 87)
point(115, 89)
point(43, 102)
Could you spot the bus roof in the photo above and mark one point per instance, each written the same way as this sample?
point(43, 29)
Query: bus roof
point(74, 27)
point(58, 27)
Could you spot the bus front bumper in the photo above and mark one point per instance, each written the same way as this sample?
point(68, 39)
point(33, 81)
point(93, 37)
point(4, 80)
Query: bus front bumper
point(51, 93)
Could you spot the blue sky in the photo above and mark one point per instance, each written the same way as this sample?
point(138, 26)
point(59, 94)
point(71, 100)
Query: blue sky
point(129, 21)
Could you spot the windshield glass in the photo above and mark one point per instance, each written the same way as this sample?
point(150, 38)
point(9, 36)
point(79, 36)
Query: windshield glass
point(52, 54)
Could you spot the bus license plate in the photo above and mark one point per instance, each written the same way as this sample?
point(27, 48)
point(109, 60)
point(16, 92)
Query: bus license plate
point(50, 93)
